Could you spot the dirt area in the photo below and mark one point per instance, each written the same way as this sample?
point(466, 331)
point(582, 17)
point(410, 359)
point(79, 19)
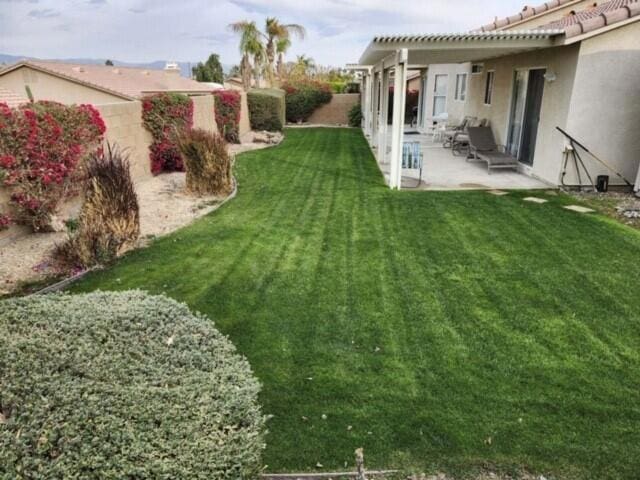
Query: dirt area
point(623, 206)
point(164, 207)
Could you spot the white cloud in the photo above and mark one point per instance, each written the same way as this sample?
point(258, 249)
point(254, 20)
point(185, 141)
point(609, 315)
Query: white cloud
point(145, 30)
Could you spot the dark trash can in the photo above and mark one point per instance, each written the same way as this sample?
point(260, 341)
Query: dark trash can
point(602, 183)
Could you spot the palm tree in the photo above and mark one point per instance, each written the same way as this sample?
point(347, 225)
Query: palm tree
point(282, 45)
point(250, 47)
point(278, 40)
point(304, 65)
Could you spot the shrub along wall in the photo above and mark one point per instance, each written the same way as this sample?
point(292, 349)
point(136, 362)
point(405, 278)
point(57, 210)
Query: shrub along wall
point(336, 112)
point(304, 97)
point(227, 109)
point(42, 149)
point(123, 385)
point(164, 115)
point(267, 109)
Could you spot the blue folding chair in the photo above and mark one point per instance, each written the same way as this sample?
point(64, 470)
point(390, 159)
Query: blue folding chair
point(412, 158)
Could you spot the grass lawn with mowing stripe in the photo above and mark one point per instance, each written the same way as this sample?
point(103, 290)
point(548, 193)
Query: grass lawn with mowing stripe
point(438, 330)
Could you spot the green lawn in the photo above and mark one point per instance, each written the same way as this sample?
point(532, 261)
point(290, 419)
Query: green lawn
point(438, 330)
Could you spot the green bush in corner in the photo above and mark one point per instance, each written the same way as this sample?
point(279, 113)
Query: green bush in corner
point(123, 385)
point(355, 116)
point(266, 109)
point(304, 97)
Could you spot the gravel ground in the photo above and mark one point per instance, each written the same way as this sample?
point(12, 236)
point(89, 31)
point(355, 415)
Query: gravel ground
point(164, 207)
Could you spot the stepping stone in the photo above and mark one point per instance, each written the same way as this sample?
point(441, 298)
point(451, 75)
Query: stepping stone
point(498, 193)
point(535, 200)
point(579, 209)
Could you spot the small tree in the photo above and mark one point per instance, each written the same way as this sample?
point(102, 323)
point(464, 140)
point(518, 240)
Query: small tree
point(209, 71)
point(108, 63)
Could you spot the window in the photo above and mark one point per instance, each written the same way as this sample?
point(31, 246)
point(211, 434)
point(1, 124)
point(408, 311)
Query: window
point(477, 68)
point(440, 95)
point(488, 88)
point(461, 87)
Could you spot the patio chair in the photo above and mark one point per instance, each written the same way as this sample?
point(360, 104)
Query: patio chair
point(450, 133)
point(412, 158)
point(460, 142)
point(483, 147)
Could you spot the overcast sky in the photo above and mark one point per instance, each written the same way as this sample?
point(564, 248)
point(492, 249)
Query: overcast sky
point(188, 30)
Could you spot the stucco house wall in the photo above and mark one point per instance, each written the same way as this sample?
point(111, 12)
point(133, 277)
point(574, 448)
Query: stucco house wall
point(605, 104)
point(556, 101)
point(45, 86)
point(454, 108)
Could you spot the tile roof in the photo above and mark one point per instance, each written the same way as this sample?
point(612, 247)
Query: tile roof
point(526, 14)
point(126, 82)
point(11, 98)
point(598, 16)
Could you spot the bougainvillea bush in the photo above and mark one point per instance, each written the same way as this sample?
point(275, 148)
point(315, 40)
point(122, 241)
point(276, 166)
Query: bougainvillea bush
point(123, 386)
point(166, 115)
point(228, 114)
point(42, 149)
point(303, 97)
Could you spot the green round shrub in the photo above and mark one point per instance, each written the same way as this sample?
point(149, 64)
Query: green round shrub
point(355, 115)
point(123, 385)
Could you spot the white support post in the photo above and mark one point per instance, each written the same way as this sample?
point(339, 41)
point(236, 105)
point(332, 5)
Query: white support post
point(366, 80)
point(384, 117)
point(374, 108)
point(422, 98)
point(397, 126)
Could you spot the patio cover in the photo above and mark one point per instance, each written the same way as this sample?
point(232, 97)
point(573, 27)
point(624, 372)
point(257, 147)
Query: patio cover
point(458, 47)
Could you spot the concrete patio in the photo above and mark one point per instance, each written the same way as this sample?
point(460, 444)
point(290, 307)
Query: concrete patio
point(444, 171)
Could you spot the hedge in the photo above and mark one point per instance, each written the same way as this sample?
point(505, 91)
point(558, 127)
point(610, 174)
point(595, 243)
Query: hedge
point(304, 97)
point(227, 111)
point(266, 109)
point(123, 385)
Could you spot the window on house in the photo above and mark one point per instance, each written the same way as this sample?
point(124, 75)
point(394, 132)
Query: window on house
point(488, 88)
point(439, 95)
point(461, 87)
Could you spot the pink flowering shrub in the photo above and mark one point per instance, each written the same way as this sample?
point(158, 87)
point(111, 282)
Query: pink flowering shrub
point(42, 148)
point(166, 115)
point(227, 112)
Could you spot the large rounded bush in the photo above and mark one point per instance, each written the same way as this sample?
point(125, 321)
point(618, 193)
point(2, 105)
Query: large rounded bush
point(122, 385)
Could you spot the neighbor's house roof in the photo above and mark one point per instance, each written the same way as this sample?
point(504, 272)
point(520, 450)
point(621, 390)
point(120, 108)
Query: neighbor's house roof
point(125, 82)
point(595, 16)
point(11, 98)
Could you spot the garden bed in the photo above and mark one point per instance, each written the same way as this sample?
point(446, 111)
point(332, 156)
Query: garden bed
point(165, 206)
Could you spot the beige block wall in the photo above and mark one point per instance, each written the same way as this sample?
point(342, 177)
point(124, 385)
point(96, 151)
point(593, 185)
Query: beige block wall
point(605, 105)
point(336, 112)
point(245, 124)
point(204, 113)
point(49, 87)
point(555, 102)
point(125, 128)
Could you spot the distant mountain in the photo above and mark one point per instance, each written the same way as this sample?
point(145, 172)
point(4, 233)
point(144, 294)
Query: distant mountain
point(185, 67)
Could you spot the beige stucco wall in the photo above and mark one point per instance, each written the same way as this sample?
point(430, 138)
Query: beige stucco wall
point(605, 105)
point(336, 112)
point(49, 87)
point(555, 103)
point(454, 108)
